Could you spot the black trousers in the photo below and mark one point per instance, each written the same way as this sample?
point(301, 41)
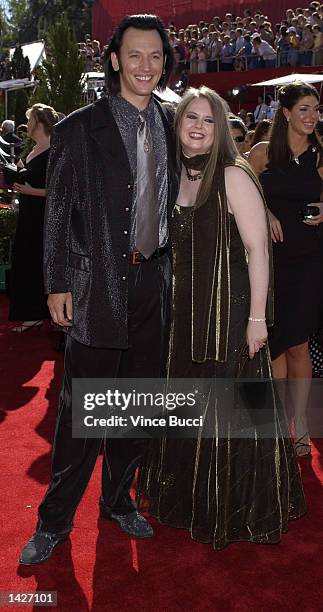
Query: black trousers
point(74, 459)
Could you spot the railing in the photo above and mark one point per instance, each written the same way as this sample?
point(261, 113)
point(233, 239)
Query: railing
point(292, 57)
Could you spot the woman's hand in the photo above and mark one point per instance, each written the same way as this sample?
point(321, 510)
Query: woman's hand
point(26, 189)
point(318, 218)
point(256, 336)
point(276, 228)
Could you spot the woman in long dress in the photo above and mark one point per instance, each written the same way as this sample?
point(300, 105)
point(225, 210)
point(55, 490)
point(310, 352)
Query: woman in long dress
point(290, 168)
point(28, 302)
point(224, 488)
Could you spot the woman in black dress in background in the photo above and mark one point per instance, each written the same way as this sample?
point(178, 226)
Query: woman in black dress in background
point(222, 486)
point(28, 302)
point(290, 168)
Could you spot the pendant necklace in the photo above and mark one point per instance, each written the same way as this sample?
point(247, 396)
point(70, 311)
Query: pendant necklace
point(193, 177)
point(296, 159)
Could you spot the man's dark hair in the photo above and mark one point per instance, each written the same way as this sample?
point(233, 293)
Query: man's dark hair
point(144, 23)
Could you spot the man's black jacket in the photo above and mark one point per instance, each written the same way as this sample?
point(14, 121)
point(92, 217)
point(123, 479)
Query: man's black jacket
point(87, 222)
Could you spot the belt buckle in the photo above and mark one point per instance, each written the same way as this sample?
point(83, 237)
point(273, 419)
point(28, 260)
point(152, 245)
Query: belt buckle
point(134, 257)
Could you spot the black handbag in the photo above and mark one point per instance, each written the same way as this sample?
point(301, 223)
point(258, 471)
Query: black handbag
point(12, 174)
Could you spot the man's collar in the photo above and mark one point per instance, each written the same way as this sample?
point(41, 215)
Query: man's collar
point(123, 103)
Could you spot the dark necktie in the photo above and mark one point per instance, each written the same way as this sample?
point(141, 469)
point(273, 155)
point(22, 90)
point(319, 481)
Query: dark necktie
point(147, 210)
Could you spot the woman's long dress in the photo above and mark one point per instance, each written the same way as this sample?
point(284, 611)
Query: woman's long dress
point(298, 274)
point(27, 297)
point(222, 489)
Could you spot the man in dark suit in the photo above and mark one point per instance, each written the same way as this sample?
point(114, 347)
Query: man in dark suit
point(9, 142)
point(107, 266)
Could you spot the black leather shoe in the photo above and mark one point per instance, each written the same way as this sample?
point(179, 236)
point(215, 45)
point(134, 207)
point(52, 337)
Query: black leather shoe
point(134, 524)
point(40, 547)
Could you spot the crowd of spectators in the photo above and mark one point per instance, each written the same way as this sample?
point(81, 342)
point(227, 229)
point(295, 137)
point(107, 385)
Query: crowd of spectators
point(250, 41)
point(246, 132)
point(238, 42)
point(92, 54)
point(235, 42)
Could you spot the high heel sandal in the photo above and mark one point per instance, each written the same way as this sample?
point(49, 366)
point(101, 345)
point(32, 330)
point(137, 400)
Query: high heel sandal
point(306, 446)
point(24, 327)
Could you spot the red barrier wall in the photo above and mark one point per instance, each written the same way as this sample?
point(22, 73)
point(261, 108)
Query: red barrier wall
point(107, 13)
point(224, 82)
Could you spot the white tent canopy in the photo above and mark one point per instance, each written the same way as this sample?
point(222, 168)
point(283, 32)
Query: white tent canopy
point(34, 51)
point(290, 78)
point(13, 85)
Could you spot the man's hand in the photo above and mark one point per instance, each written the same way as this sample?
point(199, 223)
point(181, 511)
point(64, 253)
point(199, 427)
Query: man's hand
point(60, 304)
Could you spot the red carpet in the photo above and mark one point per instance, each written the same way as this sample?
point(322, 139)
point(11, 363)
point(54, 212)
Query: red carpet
point(102, 570)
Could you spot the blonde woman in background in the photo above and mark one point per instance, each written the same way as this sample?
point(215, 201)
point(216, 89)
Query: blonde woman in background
point(28, 302)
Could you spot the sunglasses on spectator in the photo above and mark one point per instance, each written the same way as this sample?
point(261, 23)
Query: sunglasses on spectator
point(239, 138)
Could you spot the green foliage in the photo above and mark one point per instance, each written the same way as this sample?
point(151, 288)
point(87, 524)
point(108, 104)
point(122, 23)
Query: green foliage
point(8, 220)
point(80, 15)
point(60, 76)
point(18, 100)
point(30, 19)
point(4, 29)
point(5, 197)
point(17, 18)
point(20, 65)
point(22, 103)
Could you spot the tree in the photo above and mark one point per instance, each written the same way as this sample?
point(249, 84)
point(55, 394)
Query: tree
point(17, 18)
point(4, 29)
point(22, 103)
point(30, 19)
point(18, 100)
point(20, 65)
point(60, 76)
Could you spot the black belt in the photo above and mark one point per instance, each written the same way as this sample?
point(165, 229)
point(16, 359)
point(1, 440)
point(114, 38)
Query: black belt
point(136, 257)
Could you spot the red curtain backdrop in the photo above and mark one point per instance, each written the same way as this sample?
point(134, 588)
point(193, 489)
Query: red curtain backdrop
point(108, 13)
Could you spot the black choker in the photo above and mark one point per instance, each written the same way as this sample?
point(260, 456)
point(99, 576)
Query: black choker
point(197, 162)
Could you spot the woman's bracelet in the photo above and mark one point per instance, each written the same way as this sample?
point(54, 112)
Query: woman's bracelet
point(256, 320)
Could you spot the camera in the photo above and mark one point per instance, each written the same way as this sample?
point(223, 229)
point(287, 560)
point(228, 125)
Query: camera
point(308, 212)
